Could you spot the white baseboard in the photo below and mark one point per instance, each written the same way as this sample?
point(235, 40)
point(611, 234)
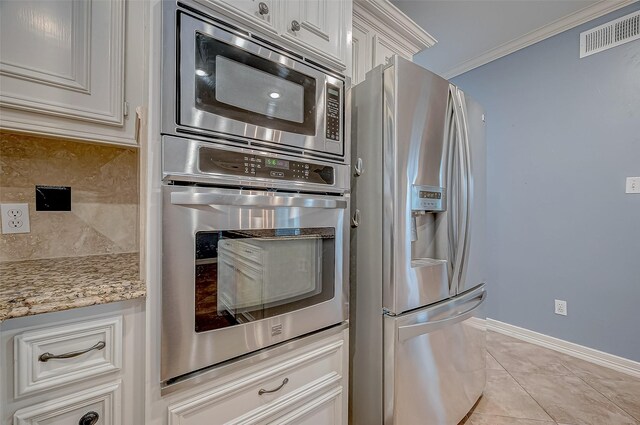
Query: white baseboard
point(630, 367)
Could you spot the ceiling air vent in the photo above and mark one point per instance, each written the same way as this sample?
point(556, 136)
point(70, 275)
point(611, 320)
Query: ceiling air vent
point(611, 34)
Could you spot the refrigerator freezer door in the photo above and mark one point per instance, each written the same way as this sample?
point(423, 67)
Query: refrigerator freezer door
point(434, 368)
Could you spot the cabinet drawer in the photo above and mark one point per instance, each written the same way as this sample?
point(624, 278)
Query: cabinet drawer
point(51, 357)
point(297, 379)
point(102, 403)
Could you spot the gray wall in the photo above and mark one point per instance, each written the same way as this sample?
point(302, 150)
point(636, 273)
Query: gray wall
point(562, 134)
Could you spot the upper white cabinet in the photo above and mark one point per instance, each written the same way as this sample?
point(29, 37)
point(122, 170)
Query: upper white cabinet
point(317, 28)
point(258, 13)
point(72, 68)
point(381, 30)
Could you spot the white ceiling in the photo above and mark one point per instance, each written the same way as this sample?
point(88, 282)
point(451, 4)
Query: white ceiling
point(473, 32)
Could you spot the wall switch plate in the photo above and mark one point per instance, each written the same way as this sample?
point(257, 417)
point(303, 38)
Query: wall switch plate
point(561, 307)
point(633, 185)
point(15, 218)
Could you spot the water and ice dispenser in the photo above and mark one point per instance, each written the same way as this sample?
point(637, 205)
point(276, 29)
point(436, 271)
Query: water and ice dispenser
point(429, 234)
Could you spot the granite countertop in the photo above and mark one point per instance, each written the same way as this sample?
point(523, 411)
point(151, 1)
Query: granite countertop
point(42, 286)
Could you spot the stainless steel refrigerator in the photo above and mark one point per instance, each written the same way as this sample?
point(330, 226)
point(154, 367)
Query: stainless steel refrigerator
point(418, 246)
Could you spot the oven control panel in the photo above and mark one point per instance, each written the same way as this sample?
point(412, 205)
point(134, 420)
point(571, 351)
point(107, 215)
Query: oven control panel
point(218, 161)
point(333, 112)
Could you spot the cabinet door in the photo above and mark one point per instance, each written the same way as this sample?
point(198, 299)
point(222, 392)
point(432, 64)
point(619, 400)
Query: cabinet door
point(384, 49)
point(258, 13)
point(64, 58)
point(318, 26)
point(100, 405)
point(361, 52)
point(325, 409)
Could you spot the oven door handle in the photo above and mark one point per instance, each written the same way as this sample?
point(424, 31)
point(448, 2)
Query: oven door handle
point(252, 200)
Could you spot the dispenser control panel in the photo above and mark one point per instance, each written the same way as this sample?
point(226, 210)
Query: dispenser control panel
point(428, 198)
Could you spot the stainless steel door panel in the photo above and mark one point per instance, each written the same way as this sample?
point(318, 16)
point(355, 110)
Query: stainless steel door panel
point(187, 210)
point(189, 115)
point(180, 162)
point(473, 265)
point(233, 198)
point(435, 362)
point(414, 115)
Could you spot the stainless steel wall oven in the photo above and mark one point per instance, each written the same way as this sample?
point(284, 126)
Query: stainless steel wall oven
point(221, 81)
point(255, 251)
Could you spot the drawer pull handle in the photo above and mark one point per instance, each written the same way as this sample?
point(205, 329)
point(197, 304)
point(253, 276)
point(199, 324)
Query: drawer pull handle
point(89, 418)
point(44, 357)
point(263, 391)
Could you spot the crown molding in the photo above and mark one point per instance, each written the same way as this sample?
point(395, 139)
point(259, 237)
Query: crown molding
point(556, 27)
point(388, 13)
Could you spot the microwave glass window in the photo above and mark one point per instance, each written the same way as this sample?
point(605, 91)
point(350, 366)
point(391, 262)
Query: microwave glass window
point(247, 275)
point(253, 90)
point(239, 85)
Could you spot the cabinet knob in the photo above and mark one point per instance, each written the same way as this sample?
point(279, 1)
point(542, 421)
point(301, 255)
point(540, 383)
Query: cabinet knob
point(295, 26)
point(90, 418)
point(263, 9)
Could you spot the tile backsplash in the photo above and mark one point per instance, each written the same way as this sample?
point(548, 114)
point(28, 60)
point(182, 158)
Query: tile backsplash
point(104, 197)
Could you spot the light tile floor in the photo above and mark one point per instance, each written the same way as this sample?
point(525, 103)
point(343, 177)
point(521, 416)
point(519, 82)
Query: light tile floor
point(531, 385)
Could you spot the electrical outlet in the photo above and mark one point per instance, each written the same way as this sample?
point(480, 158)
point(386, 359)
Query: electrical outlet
point(633, 185)
point(561, 307)
point(15, 218)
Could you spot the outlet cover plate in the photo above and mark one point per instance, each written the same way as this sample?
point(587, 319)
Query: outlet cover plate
point(633, 185)
point(561, 307)
point(15, 218)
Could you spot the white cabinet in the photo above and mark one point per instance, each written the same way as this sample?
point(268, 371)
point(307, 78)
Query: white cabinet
point(316, 28)
point(100, 405)
point(306, 386)
point(381, 30)
point(72, 68)
point(258, 13)
point(319, 26)
point(93, 347)
point(58, 368)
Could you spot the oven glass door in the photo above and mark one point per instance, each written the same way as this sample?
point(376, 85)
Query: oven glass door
point(247, 275)
point(229, 84)
point(246, 269)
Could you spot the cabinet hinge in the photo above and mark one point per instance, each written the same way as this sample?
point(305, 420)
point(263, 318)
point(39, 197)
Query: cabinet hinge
point(126, 109)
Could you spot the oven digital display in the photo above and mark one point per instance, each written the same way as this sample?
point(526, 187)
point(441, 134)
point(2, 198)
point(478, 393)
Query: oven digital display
point(430, 195)
point(276, 163)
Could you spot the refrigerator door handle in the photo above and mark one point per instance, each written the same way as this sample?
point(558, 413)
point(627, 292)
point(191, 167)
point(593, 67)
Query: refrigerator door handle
point(466, 153)
point(412, 331)
point(451, 183)
point(460, 196)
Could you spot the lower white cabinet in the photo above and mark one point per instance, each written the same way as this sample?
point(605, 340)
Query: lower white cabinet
point(306, 386)
point(83, 366)
point(101, 405)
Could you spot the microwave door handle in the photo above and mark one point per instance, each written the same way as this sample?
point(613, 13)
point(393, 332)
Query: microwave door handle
point(258, 201)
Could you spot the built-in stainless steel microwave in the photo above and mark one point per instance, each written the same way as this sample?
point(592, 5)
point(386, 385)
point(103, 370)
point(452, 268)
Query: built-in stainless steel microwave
point(222, 82)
